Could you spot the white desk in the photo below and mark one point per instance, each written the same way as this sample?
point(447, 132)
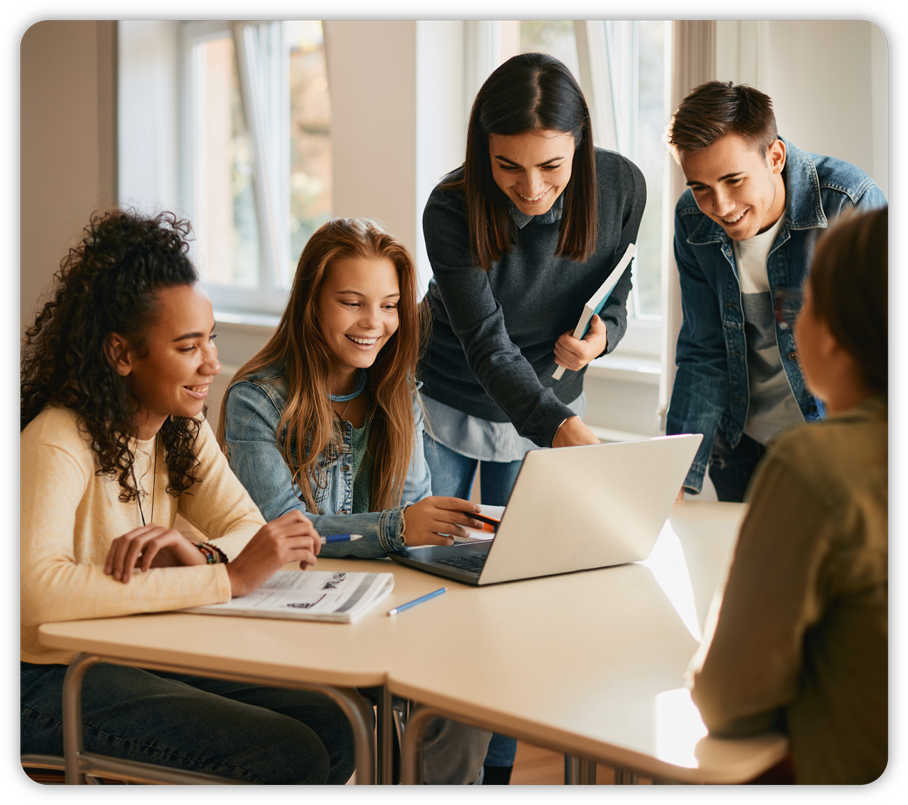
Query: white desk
point(590, 664)
point(330, 657)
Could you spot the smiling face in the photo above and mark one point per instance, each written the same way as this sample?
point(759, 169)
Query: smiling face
point(737, 187)
point(532, 169)
point(357, 314)
point(171, 372)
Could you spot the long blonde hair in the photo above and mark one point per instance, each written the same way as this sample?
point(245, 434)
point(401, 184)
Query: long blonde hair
point(299, 350)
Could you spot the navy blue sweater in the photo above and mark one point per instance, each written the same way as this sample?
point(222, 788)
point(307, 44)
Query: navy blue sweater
point(491, 354)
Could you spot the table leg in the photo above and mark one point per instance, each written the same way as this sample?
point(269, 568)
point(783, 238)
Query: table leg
point(625, 777)
point(385, 719)
point(578, 771)
point(72, 717)
point(411, 748)
point(78, 763)
point(354, 707)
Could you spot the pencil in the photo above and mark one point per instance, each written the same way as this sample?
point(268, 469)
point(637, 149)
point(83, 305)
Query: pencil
point(416, 601)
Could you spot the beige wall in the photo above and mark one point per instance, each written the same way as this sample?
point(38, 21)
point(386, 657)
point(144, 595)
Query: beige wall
point(67, 143)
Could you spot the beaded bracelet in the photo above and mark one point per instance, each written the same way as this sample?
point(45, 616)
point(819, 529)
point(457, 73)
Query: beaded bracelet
point(207, 552)
point(212, 553)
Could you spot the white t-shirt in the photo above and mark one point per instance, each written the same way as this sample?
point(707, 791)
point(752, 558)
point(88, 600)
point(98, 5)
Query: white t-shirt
point(773, 406)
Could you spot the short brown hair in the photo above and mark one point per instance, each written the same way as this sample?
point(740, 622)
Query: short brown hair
point(849, 287)
point(716, 109)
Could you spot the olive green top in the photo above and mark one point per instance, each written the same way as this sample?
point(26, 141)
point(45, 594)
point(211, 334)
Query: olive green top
point(802, 635)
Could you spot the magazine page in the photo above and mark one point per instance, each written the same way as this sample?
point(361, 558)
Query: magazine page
point(309, 595)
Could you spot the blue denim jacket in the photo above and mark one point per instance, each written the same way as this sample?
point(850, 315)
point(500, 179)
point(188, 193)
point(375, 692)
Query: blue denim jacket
point(711, 388)
point(252, 413)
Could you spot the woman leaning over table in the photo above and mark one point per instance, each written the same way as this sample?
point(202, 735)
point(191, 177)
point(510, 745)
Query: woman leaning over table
point(519, 238)
point(799, 639)
point(115, 372)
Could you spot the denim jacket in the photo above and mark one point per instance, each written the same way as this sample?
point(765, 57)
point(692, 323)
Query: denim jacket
point(252, 413)
point(711, 388)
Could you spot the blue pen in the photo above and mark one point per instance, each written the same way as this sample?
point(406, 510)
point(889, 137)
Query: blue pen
point(341, 538)
point(416, 601)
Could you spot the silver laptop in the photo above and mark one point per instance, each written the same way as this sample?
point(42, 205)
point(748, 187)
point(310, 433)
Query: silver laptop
point(574, 508)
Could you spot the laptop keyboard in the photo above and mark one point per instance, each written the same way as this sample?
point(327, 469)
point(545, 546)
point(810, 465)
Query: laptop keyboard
point(472, 563)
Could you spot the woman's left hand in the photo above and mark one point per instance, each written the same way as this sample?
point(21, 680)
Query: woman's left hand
point(575, 353)
point(147, 547)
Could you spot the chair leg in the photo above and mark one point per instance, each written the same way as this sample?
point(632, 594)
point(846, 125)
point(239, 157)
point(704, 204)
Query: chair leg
point(49, 770)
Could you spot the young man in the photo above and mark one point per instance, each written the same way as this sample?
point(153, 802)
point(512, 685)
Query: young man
point(744, 231)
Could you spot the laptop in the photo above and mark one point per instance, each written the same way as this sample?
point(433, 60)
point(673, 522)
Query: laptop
point(571, 509)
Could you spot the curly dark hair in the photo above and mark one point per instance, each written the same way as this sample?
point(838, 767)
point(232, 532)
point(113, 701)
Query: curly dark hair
point(108, 284)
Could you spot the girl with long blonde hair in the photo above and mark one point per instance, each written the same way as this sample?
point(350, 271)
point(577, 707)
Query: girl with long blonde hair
point(326, 418)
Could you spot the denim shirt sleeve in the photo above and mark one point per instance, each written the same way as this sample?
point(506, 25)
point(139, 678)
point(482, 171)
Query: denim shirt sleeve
point(872, 198)
point(251, 420)
point(701, 382)
point(252, 417)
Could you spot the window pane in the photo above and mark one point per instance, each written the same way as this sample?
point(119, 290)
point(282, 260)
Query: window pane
point(226, 219)
point(637, 53)
point(310, 144)
point(650, 155)
point(555, 37)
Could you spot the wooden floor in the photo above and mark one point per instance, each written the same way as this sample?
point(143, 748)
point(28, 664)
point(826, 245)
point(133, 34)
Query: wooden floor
point(537, 766)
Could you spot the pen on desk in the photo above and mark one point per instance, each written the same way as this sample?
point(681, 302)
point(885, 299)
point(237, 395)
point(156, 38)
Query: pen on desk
point(341, 538)
point(416, 601)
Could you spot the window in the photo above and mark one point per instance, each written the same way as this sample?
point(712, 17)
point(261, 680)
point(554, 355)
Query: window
point(636, 51)
point(622, 68)
point(257, 150)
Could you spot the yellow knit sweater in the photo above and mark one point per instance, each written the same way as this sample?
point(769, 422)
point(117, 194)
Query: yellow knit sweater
point(70, 515)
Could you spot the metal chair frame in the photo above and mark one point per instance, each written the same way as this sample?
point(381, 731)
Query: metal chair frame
point(79, 764)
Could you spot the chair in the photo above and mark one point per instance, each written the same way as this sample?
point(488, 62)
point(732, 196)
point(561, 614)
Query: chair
point(49, 770)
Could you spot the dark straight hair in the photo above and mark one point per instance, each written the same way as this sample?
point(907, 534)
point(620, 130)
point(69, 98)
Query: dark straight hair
point(529, 92)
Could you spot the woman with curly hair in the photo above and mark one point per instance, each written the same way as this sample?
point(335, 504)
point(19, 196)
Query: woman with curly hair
point(115, 373)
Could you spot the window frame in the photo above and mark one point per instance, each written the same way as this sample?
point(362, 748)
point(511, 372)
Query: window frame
point(261, 63)
point(644, 336)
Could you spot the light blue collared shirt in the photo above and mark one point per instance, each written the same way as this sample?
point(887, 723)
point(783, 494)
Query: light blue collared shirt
point(549, 217)
point(480, 438)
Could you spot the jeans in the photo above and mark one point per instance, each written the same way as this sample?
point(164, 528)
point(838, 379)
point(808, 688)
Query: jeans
point(730, 469)
point(452, 475)
point(228, 729)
